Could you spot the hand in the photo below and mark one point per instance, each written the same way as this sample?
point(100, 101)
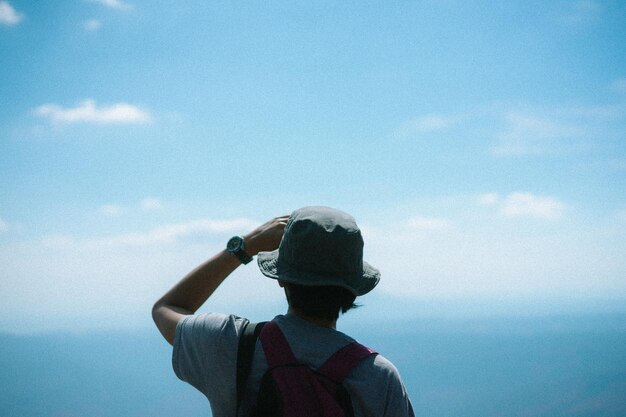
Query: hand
point(266, 237)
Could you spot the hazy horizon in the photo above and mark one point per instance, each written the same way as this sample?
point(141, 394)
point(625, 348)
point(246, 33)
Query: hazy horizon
point(375, 310)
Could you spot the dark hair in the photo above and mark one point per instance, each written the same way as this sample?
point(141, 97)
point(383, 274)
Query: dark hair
point(323, 302)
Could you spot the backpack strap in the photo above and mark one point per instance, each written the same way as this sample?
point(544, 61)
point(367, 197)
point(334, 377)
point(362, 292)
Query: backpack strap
point(275, 345)
point(245, 354)
point(339, 365)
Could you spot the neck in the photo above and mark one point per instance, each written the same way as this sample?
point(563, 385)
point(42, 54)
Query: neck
point(331, 324)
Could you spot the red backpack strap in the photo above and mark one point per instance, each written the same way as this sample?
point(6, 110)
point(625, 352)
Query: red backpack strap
point(339, 365)
point(275, 346)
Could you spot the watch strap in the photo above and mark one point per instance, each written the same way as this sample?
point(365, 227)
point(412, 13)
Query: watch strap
point(243, 256)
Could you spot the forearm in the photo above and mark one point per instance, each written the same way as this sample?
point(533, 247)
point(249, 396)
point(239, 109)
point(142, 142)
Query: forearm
point(197, 286)
point(191, 292)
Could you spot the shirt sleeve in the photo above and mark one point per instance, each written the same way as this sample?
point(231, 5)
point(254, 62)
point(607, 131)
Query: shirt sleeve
point(398, 403)
point(379, 389)
point(205, 354)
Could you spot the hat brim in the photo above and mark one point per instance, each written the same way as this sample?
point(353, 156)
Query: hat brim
point(268, 264)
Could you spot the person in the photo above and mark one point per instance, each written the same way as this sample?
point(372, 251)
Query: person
point(316, 256)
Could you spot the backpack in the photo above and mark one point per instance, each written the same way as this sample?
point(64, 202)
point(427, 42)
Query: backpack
point(289, 388)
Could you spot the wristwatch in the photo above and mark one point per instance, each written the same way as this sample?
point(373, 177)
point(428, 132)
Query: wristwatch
point(236, 247)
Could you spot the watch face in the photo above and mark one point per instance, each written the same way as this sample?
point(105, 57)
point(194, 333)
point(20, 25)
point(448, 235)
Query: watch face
point(234, 244)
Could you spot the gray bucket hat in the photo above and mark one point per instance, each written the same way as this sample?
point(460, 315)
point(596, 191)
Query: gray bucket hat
point(321, 246)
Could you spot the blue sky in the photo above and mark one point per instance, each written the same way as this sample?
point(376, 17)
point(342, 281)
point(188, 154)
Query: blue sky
point(480, 146)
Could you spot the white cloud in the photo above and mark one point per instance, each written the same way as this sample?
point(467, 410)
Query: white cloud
point(88, 112)
point(150, 203)
point(8, 15)
point(114, 4)
point(111, 210)
point(174, 232)
point(115, 210)
point(520, 204)
point(428, 223)
point(523, 204)
point(91, 25)
point(527, 134)
point(167, 234)
point(3, 226)
point(424, 124)
point(488, 199)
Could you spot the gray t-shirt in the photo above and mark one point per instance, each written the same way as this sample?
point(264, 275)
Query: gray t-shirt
point(205, 356)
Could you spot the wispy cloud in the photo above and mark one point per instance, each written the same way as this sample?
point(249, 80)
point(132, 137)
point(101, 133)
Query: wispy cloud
point(425, 124)
point(528, 134)
point(92, 25)
point(114, 4)
point(170, 233)
point(428, 223)
point(111, 210)
point(8, 15)
point(488, 199)
point(115, 210)
point(524, 130)
point(88, 112)
point(173, 232)
point(524, 204)
point(150, 203)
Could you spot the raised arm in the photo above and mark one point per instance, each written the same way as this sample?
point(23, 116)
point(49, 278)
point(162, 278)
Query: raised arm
point(194, 289)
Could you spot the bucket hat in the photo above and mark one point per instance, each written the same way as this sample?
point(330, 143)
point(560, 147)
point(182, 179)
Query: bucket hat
point(321, 246)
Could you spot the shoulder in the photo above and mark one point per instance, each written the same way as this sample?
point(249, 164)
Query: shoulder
point(378, 367)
